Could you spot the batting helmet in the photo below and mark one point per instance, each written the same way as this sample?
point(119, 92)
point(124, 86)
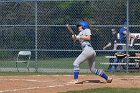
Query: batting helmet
point(84, 24)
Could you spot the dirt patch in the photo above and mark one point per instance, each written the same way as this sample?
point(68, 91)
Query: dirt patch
point(59, 83)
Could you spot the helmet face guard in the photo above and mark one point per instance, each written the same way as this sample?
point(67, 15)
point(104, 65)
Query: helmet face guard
point(84, 24)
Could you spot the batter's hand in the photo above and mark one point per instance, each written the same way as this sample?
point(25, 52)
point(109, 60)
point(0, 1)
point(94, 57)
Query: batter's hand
point(74, 38)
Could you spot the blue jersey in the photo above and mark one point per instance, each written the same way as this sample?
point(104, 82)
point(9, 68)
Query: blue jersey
point(122, 37)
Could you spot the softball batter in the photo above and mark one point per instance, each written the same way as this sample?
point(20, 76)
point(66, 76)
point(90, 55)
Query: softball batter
point(88, 53)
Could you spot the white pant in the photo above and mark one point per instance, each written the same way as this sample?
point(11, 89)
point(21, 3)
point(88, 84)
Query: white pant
point(88, 54)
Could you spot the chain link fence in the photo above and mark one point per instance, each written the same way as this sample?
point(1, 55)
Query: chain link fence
point(39, 26)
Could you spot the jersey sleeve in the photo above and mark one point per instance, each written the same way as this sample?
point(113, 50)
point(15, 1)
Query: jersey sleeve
point(87, 32)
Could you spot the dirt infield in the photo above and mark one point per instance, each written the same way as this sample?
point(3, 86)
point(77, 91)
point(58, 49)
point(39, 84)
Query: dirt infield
point(59, 83)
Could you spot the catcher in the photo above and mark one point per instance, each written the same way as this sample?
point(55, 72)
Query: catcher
point(120, 56)
point(88, 53)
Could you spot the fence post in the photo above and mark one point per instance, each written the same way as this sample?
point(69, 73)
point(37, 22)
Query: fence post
point(36, 68)
point(127, 42)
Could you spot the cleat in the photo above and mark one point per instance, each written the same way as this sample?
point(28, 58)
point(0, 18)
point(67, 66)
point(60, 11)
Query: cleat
point(73, 82)
point(109, 80)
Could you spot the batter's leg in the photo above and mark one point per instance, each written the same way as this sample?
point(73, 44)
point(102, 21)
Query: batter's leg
point(91, 62)
point(80, 59)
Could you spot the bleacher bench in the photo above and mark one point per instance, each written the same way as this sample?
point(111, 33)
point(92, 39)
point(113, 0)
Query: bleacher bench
point(136, 63)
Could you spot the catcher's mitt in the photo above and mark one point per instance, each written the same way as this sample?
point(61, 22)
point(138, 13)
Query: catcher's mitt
point(120, 55)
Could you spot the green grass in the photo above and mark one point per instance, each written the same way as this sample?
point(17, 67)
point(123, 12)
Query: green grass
point(19, 73)
point(107, 90)
point(58, 63)
point(63, 63)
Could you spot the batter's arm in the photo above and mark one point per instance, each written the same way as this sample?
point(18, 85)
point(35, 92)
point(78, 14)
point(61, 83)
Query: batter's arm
point(88, 37)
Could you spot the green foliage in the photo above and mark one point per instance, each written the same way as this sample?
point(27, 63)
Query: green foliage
point(102, 12)
point(98, 12)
